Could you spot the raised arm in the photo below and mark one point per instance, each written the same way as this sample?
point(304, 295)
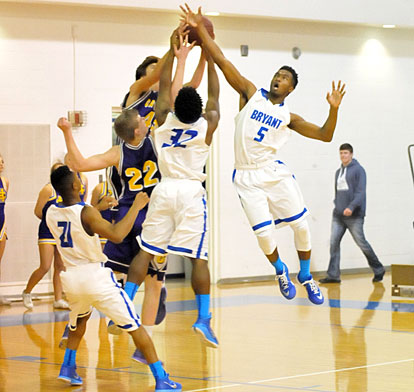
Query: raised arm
point(326, 131)
point(198, 73)
point(242, 85)
point(181, 54)
point(76, 160)
point(163, 106)
point(144, 83)
point(93, 222)
point(212, 107)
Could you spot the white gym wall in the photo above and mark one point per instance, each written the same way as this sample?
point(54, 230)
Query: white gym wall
point(41, 80)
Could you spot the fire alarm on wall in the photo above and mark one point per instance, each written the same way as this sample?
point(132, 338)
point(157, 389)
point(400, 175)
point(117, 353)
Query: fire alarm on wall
point(244, 50)
point(77, 118)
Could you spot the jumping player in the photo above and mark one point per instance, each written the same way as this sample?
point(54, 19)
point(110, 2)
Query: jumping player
point(75, 227)
point(269, 193)
point(176, 221)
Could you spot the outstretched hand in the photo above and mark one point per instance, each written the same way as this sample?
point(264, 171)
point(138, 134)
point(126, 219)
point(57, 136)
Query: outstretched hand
point(106, 202)
point(181, 51)
point(64, 124)
point(190, 17)
point(334, 98)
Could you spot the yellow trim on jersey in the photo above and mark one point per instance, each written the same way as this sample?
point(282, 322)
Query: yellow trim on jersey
point(105, 191)
point(49, 241)
point(103, 240)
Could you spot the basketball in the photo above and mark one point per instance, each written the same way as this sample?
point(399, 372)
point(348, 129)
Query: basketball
point(193, 36)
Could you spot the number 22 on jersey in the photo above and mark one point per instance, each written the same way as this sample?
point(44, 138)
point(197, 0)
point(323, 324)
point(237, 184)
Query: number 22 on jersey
point(149, 168)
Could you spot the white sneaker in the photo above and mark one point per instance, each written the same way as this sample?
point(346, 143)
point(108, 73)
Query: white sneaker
point(27, 300)
point(4, 301)
point(61, 304)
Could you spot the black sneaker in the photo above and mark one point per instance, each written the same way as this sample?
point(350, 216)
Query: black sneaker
point(329, 280)
point(378, 278)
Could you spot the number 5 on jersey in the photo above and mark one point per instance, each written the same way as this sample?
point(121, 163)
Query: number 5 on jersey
point(261, 134)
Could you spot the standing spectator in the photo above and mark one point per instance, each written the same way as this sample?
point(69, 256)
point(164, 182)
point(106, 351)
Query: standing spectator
point(349, 213)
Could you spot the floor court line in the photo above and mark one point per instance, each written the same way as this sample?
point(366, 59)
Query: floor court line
point(302, 375)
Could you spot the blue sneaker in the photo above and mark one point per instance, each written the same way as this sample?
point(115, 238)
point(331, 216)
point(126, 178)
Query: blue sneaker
point(113, 329)
point(139, 357)
point(314, 293)
point(68, 374)
point(64, 339)
point(162, 309)
point(202, 327)
point(287, 288)
point(165, 384)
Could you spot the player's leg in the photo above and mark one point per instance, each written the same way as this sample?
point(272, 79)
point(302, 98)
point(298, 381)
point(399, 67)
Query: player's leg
point(149, 312)
point(144, 344)
point(356, 227)
point(2, 247)
point(338, 230)
point(303, 247)
point(59, 302)
point(288, 207)
point(68, 369)
point(154, 238)
point(137, 272)
point(46, 252)
point(190, 239)
point(3, 300)
point(255, 196)
point(200, 282)
point(113, 301)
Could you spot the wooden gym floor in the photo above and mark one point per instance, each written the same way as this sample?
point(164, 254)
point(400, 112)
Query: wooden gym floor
point(361, 339)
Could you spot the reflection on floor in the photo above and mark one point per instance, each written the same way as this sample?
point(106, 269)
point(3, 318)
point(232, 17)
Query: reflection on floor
point(361, 339)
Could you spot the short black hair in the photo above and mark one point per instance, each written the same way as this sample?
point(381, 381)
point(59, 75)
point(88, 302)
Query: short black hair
point(293, 73)
point(62, 180)
point(142, 68)
point(347, 147)
point(125, 124)
point(188, 105)
point(55, 166)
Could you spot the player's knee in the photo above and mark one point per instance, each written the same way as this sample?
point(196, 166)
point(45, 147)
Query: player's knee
point(302, 235)
point(266, 241)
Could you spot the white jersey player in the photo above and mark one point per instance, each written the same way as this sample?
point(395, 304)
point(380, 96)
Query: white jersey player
point(86, 282)
point(268, 192)
point(176, 221)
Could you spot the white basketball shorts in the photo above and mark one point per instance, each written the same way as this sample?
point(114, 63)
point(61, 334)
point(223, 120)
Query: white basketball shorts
point(270, 196)
point(176, 220)
point(93, 285)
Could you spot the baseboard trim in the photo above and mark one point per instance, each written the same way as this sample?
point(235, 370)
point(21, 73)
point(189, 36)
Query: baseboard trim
point(316, 274)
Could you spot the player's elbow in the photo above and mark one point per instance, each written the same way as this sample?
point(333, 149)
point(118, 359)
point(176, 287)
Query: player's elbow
point(116, 238)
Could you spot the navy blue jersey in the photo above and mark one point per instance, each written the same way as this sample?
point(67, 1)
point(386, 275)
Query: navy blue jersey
point(43, 232)
point(138, 170)
point(3, 196)
point(145, 106)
